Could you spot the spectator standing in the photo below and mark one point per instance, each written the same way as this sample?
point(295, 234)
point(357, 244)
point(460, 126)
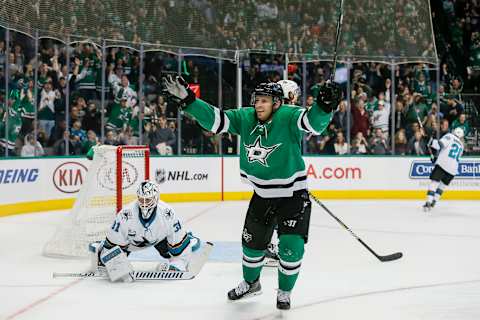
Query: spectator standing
point(340, 116)
point(31, 148)
point(161, 137)
point(46, 108)
point(361, 120)
point(381, 118)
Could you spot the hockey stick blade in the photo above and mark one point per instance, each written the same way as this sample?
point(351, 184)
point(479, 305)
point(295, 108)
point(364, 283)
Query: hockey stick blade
point(139, 275)
point(390, 257)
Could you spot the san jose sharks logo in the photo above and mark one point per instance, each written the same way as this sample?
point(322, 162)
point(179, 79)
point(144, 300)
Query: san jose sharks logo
point(259, 153)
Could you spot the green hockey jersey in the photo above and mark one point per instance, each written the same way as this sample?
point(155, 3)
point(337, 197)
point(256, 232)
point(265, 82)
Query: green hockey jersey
point(119, 117)
point(270, 153)
point(9, 128)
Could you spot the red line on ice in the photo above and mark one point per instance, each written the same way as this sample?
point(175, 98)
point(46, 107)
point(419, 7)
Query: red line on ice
point(39, 301)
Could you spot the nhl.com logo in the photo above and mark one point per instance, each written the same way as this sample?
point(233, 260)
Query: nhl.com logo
point(160, 176)
point(68, 177)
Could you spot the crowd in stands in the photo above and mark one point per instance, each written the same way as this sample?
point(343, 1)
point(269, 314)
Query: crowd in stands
point(372, 122)
point(308, 26)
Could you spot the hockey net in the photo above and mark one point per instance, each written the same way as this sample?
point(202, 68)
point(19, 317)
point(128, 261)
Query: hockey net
point(111, 182)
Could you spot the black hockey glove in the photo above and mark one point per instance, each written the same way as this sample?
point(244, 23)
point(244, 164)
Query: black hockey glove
point(177, 90)
point(329, 96)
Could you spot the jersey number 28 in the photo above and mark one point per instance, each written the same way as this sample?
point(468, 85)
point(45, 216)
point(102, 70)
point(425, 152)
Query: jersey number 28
point(455, 152)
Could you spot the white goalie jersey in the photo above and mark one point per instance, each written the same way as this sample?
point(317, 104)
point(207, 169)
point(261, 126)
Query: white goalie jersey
point(450, 150)
point(131, 232)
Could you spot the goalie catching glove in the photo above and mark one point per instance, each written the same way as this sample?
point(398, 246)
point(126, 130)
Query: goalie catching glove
point(178, 90)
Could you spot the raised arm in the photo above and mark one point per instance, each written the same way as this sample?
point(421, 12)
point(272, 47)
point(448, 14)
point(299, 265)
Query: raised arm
point(209, 117)
point(316, 119)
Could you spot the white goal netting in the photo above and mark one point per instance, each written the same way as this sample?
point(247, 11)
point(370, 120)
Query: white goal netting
point(111, 182)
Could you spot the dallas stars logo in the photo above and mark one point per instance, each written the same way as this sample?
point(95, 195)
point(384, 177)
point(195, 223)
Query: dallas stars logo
point(259, 153)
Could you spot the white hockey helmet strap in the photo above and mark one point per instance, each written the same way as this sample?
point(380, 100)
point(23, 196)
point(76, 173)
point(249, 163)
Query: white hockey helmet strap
point(289, 86)
point(458, 132)
point(147, 194)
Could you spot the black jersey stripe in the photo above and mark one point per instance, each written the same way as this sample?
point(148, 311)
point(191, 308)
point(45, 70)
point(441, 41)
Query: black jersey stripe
point(302, 123)
point(290, 268)
point(275, 186)
point(222, 122)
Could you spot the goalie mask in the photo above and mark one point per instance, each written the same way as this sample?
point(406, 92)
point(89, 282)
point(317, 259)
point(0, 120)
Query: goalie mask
point(147, 194)
point(291, 90)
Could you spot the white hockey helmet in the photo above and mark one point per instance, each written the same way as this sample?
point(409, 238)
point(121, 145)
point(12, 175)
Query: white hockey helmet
point(458, 132)
point(291, 90)
point(147, 193)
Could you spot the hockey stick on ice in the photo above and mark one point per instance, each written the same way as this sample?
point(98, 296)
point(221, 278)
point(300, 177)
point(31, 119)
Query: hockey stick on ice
point(337, 39)
point(196, 267)
point(389, 257)
point(139, 275)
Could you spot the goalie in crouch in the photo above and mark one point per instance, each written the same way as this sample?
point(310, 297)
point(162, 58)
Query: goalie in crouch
point(144, 223)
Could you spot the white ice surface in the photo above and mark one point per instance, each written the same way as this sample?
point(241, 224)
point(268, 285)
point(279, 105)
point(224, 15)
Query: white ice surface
point(438, 277)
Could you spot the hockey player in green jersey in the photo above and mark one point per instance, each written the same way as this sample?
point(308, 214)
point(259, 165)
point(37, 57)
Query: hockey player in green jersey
point(271, 161)
point(291, 94)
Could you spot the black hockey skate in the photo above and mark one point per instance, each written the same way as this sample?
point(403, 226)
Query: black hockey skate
point(271, 255)
point(283, 300)
point(244, 290)
point(428, 206)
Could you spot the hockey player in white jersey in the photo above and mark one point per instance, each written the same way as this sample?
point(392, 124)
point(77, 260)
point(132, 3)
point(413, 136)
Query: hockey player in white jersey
point(146, 222)
point(449, 150)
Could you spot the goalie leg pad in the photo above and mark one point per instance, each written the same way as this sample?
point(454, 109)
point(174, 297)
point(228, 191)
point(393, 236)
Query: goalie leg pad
point(117, 265)
point(94, 249)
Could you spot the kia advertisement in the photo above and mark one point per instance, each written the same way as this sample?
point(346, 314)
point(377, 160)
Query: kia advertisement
point(69, 177)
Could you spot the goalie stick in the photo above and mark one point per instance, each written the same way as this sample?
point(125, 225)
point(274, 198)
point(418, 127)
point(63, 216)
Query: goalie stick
point(196, 267)
point(139, 275)
point(386, 258)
